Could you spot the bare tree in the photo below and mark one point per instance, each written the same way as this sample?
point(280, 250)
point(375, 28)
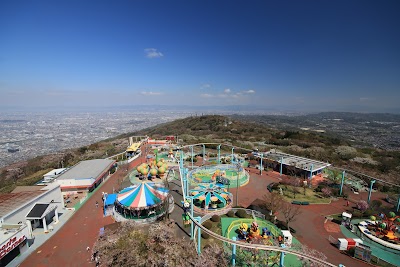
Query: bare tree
point(295, 183)
point(290, 212)
point(273, 201)
point(311, 252)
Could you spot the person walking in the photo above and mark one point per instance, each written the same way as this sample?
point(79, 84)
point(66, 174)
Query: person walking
point(97, 204)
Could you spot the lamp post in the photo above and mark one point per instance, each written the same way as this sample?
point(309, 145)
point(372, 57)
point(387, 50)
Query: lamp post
point(237, 184)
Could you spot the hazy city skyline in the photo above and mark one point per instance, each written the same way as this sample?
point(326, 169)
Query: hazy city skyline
point(292, 55)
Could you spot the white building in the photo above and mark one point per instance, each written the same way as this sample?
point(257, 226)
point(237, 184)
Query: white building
point(13, 241)
point(23, 211)
point(53, 174)
point(85, 176)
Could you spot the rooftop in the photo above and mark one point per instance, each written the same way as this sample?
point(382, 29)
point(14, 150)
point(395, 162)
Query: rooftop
point(8, 230)
point(87, 169)
point(55, 172)
point(12, 201)
point(29, 188)
point(37, 211)
point(296, 161)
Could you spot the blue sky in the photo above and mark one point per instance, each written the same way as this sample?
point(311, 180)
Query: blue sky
point(303, 55)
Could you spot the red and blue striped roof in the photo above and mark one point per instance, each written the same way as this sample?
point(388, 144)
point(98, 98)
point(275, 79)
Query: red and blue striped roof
point(142, 195)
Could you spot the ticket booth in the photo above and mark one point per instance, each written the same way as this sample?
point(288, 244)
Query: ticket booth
point(287, 238)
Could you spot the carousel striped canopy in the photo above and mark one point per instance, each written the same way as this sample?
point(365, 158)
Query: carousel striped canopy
point(142, 195)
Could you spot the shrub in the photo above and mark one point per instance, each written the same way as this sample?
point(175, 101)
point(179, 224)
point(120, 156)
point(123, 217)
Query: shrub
point(385, 188)
point(241, 214)
point(351, 251)
point(368, 213)
point(205, 235)
point(207, 224)
point(215, 218)
point(230, 213)
point(362, 205)
point(376, 203)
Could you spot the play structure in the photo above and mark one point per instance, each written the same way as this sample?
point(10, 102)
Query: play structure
point(256, 231)
point(384, 229)
point(210, 198)
point(141, 201)
point(211, 173)
point(153, 169)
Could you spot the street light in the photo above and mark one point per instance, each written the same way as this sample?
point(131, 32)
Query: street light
point(237, 184)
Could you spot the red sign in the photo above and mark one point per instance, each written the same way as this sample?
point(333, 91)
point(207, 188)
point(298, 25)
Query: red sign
point(12, 243)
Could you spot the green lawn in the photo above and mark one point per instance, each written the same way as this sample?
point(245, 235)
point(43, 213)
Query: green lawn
point(310, 196)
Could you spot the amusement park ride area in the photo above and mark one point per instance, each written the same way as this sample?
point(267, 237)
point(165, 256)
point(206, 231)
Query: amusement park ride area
point(206, 191)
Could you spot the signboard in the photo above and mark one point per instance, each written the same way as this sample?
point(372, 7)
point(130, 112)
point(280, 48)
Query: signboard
point(12, 243)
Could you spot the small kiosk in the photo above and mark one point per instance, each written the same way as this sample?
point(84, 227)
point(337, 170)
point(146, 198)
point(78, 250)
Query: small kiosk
point(287, 238)
point(346, 219)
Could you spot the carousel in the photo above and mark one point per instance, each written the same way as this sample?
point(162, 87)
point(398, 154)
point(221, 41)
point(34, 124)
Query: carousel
point(143, 202)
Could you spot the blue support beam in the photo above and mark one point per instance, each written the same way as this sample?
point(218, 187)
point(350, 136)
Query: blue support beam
point(232, 155)
point(261, 164)
point(184, 184)
point(398, 204)
point(204, 153)
point(341, 183)
point(191, 147)
point(282, 259)
point(191, 222)
point(280, 169)
point(370, 190)
point(219, 154)
point(234, 252)
point(198, 219)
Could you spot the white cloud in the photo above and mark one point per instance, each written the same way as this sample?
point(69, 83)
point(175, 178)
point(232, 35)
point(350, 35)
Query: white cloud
point(151, 93)
point(206, 95)
point(227, 90)
point(205, 86)
point(153, 53)
point(249, 91)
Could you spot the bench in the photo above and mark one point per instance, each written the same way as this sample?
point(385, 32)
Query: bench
point(295, 202)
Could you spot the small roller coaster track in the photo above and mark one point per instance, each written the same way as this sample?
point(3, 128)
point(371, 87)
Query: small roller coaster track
point(257, 246)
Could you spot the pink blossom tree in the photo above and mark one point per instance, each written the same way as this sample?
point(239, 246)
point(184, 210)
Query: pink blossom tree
point(327, 192)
